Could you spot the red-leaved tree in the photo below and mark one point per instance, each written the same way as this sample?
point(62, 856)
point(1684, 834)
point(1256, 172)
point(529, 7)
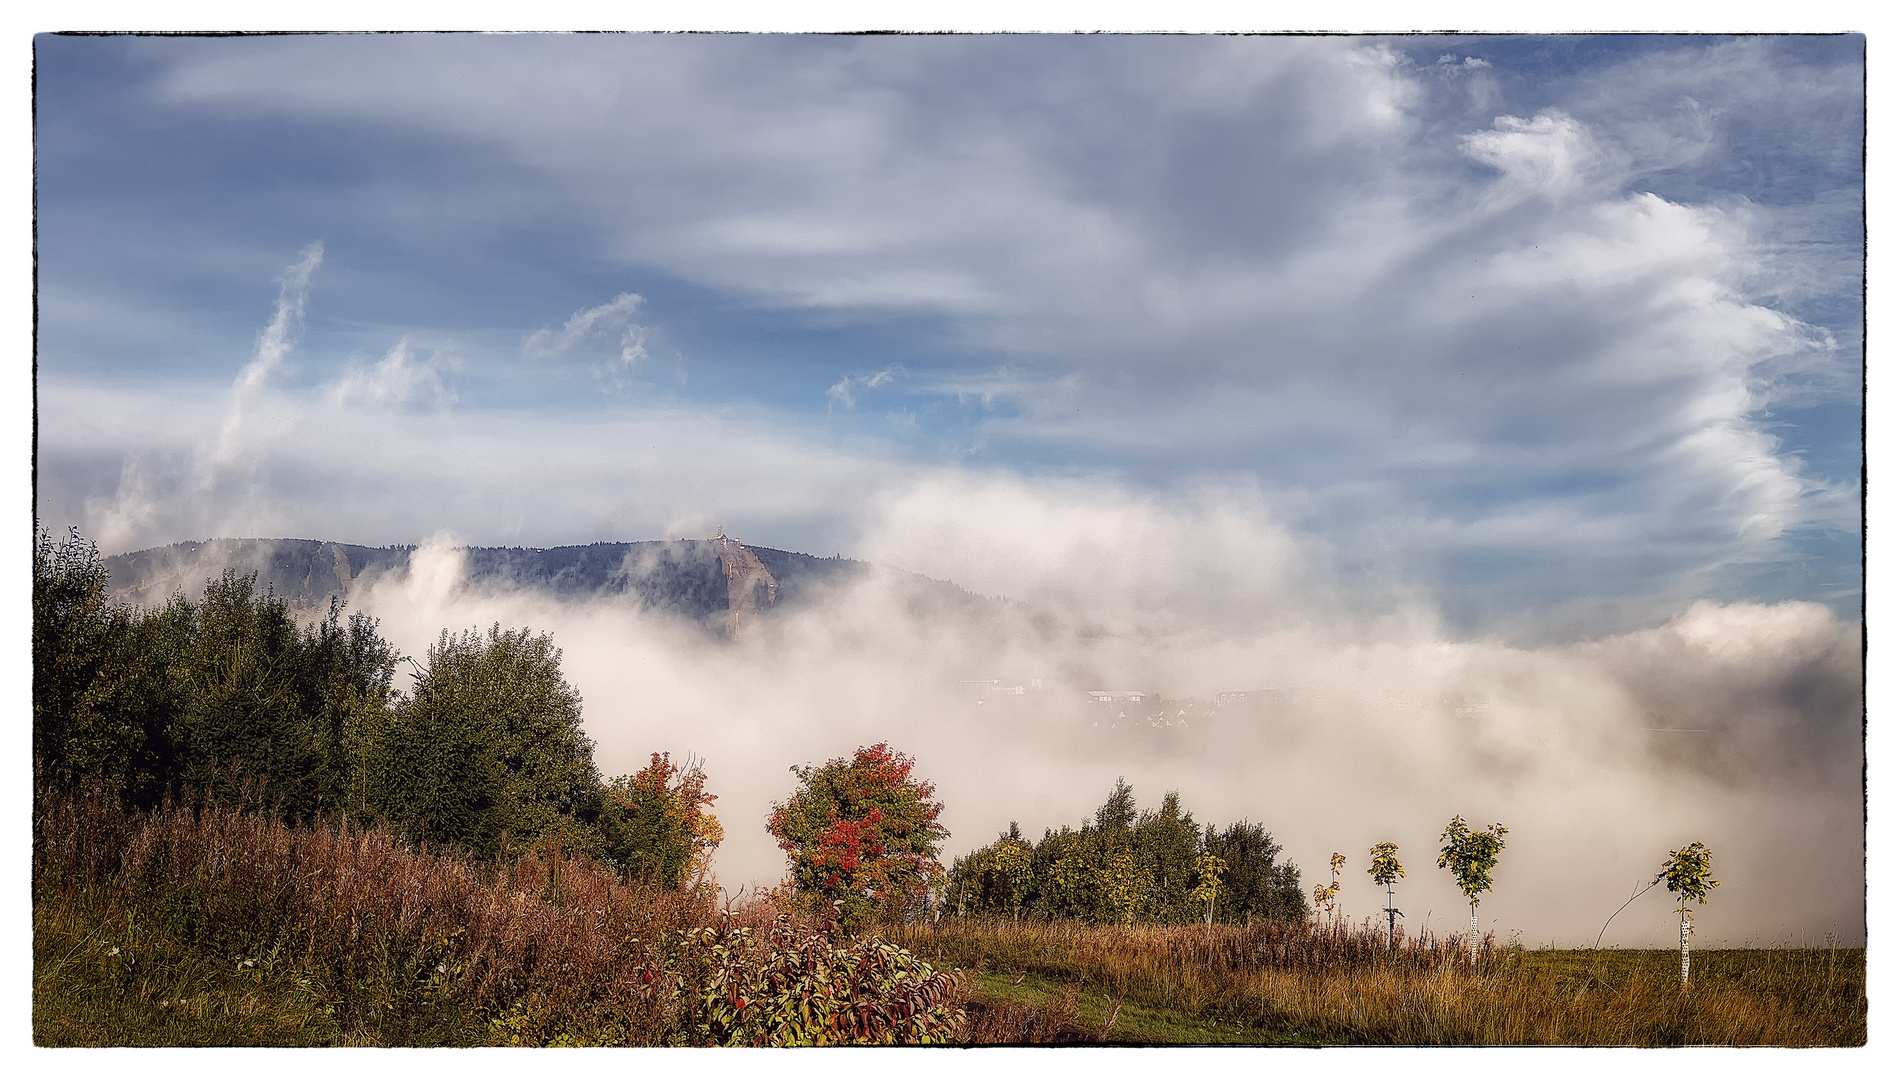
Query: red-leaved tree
point(862, 833)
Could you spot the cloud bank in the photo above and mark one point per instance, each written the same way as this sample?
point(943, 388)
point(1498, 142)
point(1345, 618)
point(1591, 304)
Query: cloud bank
point(1736, 725)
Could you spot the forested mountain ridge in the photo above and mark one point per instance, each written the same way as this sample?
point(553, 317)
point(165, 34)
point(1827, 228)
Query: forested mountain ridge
point(716, 583)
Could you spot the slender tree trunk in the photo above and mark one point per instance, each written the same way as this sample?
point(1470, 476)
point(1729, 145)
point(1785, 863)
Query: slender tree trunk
point(1391, 920)
point(1473, 933)
point(1684, 951)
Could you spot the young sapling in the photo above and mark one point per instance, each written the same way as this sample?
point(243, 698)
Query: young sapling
point(1686, 874)
point(1385, 869)
point(1470, 855)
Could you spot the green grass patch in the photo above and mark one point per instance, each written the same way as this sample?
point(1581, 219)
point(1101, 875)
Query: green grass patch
point(1136, 1022)
point(104, 983)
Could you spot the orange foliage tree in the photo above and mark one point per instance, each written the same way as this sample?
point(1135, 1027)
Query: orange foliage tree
point(665, 831)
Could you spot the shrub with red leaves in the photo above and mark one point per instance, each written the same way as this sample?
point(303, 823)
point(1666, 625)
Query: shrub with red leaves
point(781, 985)
point(862, 834)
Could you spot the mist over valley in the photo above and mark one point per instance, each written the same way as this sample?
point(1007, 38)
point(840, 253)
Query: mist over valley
point(1735, 723)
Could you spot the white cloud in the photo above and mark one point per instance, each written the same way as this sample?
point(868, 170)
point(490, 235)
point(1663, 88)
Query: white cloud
point(585, 332)
point(399, 378)
point(844, 392)
point(1183, 258)
point(273, 345)
point(1214, 556)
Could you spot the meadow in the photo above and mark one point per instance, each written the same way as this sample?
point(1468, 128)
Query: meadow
point(1286, 984)
point(197, 927)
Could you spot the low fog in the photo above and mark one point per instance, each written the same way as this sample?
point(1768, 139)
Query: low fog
point(1737, 725)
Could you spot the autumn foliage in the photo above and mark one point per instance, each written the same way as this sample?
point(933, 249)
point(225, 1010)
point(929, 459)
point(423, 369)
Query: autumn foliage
point(666, 832)
point(862, 835)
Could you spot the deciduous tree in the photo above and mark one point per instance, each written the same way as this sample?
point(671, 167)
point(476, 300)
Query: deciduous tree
point(862, 833)
point(1471, 855)
point(1385, 869)
point(1255, 884)
point(996, 879)
point(1326, 896)
point(662, 829)
point(1165, 843)
point(1686, 874)
point(490, 742)
point(1207, 870)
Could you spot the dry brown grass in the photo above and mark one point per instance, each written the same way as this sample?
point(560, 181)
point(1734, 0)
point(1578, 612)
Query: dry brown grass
point(1341, 985)
point(389, 944)
point(222, 926)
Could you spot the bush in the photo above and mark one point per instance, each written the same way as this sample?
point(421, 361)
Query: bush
point(781, 985)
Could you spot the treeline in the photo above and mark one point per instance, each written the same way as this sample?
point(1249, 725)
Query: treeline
point(228, 700)
point(1127, 865)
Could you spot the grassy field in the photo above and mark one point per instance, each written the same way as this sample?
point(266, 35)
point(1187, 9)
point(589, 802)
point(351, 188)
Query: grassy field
point(1274, 986)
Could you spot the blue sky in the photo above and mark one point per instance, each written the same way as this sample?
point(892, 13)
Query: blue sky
point(1558, 334)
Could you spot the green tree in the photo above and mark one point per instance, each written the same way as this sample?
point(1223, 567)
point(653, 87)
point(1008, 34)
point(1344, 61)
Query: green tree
point(1117, 815)
point(1054, 891)
point(72, 637)
point(244, 719)
point(1385, 869)
point(346, 679)
point(1686, 874)
point(1326, 896)
point(862, 834)
point(488, 744)
point(1471, 855)
point(1058, 873)
point(1123, 864)
point(197, 698)
point(1254, 885)
point(1115, 884)
point(125, 742)
point(995, 879)
point(104, 698)
point(1207, 870)
point(1165, 844)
